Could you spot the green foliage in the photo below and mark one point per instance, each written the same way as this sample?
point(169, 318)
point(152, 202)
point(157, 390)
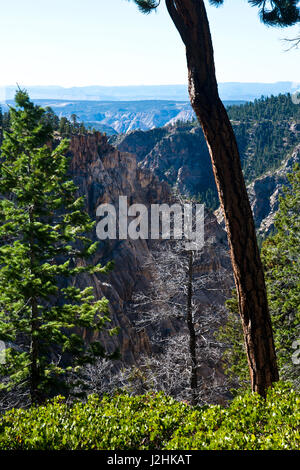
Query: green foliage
point(277, 12)
point(249, 423)
point(155, 421)
point(63, 125)
point(234, 355)
point(274, 108)
point(280, 256)
point(43, 250)
point(146, 6)
point(263, 132)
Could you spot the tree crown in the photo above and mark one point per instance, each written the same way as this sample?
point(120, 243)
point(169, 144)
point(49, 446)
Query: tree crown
point(272, 12)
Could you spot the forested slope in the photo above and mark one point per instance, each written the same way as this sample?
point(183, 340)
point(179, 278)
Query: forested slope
point(267, 131)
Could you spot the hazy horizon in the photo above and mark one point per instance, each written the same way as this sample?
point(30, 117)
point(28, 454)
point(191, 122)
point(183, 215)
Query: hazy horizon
point(229, 91)
point(56, 85)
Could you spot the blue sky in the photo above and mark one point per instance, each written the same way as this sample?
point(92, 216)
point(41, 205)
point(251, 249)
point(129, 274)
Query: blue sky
point(108, 42)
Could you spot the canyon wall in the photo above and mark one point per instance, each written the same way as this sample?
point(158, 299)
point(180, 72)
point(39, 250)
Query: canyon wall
point(102, 174)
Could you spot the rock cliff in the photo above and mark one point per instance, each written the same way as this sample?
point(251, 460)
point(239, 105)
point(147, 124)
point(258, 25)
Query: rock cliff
point(102, 174)
point(264, 193)
point(177, 154)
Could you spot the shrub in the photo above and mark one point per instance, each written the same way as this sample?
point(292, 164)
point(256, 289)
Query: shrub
point(155, 421)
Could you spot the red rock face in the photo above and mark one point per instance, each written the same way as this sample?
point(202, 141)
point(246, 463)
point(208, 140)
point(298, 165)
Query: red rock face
point(102, 174)
point(85, 150)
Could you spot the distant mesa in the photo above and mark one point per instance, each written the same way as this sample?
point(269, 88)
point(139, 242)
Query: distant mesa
point(228, 91)
point(126, 108)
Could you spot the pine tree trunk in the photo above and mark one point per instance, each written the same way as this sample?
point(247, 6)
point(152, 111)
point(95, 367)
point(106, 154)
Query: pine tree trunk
point(189, 17)
point(192, 334)
point(34, 355)
point(34, 348)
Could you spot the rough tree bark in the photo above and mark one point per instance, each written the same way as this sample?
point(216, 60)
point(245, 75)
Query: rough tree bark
point(190, 19)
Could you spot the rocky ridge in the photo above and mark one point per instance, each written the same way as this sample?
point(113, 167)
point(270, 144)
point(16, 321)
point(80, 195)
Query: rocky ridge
point(178, 155)
point(264, 193)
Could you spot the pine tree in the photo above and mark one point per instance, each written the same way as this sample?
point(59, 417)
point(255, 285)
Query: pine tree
point(43, 250)
point(281, 258)
point(74, 121)
point(64, 127)
point(51, 118)
point(280, 255)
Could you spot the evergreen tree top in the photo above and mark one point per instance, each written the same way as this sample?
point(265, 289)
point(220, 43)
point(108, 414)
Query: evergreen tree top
point(272, 12)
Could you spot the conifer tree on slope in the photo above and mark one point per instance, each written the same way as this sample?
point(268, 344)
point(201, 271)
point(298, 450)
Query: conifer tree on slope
point(281, 259)
point(190, 19)
point(42, 241)
point(280, 255)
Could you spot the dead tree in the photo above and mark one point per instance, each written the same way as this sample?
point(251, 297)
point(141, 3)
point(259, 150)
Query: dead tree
point(173, 300)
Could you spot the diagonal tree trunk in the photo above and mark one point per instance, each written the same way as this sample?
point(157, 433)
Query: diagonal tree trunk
point(190, 18)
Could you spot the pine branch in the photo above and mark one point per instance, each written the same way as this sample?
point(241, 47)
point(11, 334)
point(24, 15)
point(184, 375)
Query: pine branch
point(147, 6)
